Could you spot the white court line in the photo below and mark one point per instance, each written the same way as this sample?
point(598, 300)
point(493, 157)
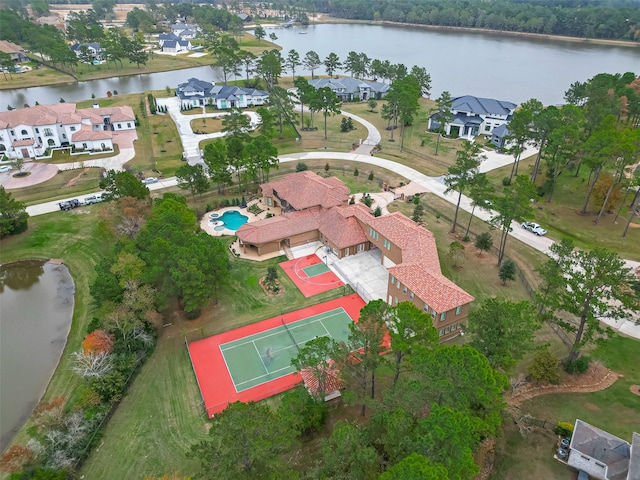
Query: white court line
point(325, 328)
point(260, 357)
point(282, 329)
point(265, 375)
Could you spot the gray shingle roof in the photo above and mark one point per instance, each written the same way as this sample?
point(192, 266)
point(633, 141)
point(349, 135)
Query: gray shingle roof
point(604, 447)
point(482, 106)
point(349, 84)
point(501, 131)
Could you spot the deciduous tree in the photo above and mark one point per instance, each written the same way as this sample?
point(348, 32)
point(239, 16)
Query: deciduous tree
point(193, 178)
point(13, 214)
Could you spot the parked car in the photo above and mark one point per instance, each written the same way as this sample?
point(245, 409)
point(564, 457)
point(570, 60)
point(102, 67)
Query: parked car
point(534, 228)
point(149, 180)
point(5, 168)
point(69, 204)
point(93, 199)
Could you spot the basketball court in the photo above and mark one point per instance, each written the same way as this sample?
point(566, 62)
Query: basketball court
point(254, 362)
point(311, 275)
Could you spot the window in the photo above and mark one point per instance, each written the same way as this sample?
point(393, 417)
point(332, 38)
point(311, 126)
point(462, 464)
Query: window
point(398, 283)
point(64, 135)
point(454, 327)
point(404, 290)
point(433, 314)
point(128, 124)
point(599, 464)
point(37, 131)
point(411, 295)
point(84, 145)
point(487, 128)
point(393, 279)
point(13, 133)
point(387, 244)
point(442, 316)
point(47, 132)
point(269, 201)
point(72, 128)
point(24, 132)
point(51, 142)
point(395, 300)
point(426, 308)
point(373, 234)
point(441, 332)
point(458, 310)
point(447, 330)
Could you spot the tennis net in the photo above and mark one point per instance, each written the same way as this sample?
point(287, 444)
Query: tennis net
point(290, 334)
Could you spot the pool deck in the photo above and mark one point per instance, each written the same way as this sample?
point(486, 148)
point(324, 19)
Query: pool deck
point(208, 226)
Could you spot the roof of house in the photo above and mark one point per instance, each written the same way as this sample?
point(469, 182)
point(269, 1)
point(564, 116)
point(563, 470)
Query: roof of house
point(228, 92)
point(62, 113)
point(634, 462)
point(303, 190)
point(196, 87)
point(168, 36)
point(184, 26)
point(349, 84)
point(76, 46)
point(323, 207)
point(482, 106)
point(175, 43)
point(23, 143)
point(500, 131)
point(332, 379)
point(10, 47)
point(603, 447)
point(244, 17)
point(87, 133)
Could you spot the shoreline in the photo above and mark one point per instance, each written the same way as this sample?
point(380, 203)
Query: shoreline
point(540, 36)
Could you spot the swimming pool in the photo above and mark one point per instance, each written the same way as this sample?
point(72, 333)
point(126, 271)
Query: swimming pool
point(232, 219)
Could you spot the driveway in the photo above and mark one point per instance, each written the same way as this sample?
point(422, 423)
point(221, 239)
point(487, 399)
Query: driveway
point(190, 140)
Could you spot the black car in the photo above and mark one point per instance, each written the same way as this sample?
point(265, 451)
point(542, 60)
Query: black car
point(69, 204)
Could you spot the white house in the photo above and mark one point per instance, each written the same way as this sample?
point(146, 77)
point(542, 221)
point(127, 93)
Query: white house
point(176, 46)
point(29, 132)
point(349, 89)
point(94, 50)
point(185, 30)
point(474, 116)
point(196, 93)
point(602, 455)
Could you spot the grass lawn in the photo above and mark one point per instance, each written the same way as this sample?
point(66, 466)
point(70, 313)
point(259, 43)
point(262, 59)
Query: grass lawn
point(80, 238)
point(561, 217)
point(206, 125)
point(615, 410)
point(36, 77)
point(65, 184)
point(63, 156)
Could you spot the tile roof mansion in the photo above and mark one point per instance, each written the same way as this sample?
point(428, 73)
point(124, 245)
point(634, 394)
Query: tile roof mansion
point(28, 132)
point(317, 209)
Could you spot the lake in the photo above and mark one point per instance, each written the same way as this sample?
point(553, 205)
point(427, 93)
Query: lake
point(36, 306)
point(477, 63)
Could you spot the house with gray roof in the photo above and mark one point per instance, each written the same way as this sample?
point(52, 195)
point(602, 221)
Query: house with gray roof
point(179, 29)
point(474, 116)
point(94, 50)
point(349, 89)
point(196, 93)
point(499, 136)
point(603, 455)
point(176, 46)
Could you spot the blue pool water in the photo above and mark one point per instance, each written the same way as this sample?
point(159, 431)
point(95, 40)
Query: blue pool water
point(233, 219)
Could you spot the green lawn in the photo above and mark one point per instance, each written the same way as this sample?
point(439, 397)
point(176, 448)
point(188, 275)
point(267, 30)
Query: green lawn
point(615, 410)
point(562, 216)
point(65, 184)
point(63, 156)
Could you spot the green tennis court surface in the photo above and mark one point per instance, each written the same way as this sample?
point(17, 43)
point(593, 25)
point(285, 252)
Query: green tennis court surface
point(267, 355)
point(317, 269)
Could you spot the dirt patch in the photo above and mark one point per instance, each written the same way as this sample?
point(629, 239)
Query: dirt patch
point(635, 389)
point(597, 378)
point(592, 407)
point(75, 179)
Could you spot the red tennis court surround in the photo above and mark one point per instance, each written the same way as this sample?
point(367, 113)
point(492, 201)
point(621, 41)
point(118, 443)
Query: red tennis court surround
point(211, 371)
point(310, 286)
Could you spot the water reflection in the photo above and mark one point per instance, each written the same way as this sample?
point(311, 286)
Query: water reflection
point(36, 306)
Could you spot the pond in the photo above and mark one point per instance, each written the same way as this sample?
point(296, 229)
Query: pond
point(36, 307)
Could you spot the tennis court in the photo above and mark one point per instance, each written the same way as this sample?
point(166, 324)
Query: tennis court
point(252, 363)
point(311, 275)
point(263, 356)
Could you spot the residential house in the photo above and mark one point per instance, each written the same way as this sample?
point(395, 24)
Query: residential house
point(474, 116)
point(195, 93)
point(163, 37)
point(499, 136)
point(93, 50)
point(244, 17)
point(179, 28)
point(176, 46)
point(29, 132)
point(603, 455)
point(317, 209)
point(15, 51)
point(349, 89)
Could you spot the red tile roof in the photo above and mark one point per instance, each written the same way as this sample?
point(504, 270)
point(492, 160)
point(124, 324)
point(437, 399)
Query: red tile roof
point(23, 143)
point(86, 133)
point(306, 189)
point(332, 380)
point(279, 227)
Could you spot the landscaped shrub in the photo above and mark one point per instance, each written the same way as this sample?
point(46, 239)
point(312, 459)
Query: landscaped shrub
point(544, 368)
point(506, 181)
point(377, 212)
point(564, 429)
point(356, 172)
point(370, 175)
point(578, 366)
point(301, 167)
point(152, 104)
